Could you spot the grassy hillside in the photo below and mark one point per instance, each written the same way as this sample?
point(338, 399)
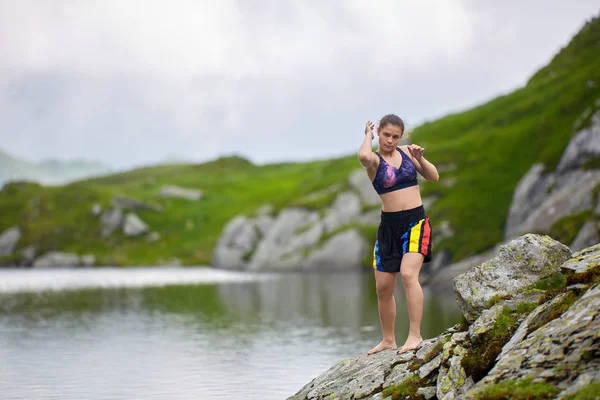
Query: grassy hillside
point(492, 146)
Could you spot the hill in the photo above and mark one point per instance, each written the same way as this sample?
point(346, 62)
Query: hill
point(482, 152)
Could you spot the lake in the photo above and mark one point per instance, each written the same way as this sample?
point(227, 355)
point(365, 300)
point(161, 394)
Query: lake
point(188, 333)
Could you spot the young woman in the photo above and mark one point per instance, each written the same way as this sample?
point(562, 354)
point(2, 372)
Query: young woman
point(403, 240)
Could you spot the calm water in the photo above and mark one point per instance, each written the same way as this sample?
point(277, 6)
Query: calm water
point(186, 333)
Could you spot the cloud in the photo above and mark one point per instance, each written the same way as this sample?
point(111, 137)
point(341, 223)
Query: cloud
point(132, 81)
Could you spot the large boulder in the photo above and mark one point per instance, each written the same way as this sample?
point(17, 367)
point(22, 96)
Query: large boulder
point(344, 250)
point(361, 183)
point(239, 237)
point(344, 209)
point(520, 263)
point(57, 259)
point(110, 221)
point(9, 240)
point(175, 191)
point(584, 146)
point(588, 236)
point(134, 226)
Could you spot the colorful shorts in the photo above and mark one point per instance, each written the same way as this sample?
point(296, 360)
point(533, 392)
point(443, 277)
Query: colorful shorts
point(401, 232)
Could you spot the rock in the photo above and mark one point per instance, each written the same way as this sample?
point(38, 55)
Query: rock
point(153, 237)
point(573, 197)
point(88, 260)
point(564, 348)
point(584, 146)
point(533, 320)
point(427, 392)
point(448, 182)
point(520, 263)
point(9, 240)
point(132, 204)
point(268, 252)
point(363, 185)
point(265, 211)
point(485, 323)
point(452, 382)
point(97, 210)
point(530, 192)
point(304, 240)
point(57, 259)
point(264, 223)
point(357, 377)
point(28, 255)
point(587, 236)
point(134, 226)
point(440, 260)
point(442, 231)
point(583, 260)
point(372, 217)
point(169, 191)
point(345, 208)
point(444, 277)
point(344, 250)
point(110, 221)
point(227, 254)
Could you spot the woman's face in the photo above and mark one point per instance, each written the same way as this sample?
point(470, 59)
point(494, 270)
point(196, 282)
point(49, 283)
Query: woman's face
point(389, 136)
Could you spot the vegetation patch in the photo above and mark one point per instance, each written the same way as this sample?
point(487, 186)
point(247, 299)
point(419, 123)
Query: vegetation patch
point(522, 389)
point(589, 392)
point(589, 277)
point(565, 229)
point(480, 359)
point(405, 390)
point(497, 298)
point(592, 163)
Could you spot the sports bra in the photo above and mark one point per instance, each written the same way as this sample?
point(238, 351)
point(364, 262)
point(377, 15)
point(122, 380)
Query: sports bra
point(390, 178)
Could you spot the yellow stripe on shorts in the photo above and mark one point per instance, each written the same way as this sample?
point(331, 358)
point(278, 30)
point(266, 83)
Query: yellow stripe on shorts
point(415, 237)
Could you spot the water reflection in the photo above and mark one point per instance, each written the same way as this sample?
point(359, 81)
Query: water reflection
point(252, 338)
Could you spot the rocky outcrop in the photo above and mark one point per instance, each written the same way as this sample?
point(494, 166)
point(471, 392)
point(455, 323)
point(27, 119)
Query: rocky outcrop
point(539, 331)
point(64, 260)
point(133, 204)
point(541, 199)
point(173, 191)
point(134, 226)
point(9, 240)
point(298, 238)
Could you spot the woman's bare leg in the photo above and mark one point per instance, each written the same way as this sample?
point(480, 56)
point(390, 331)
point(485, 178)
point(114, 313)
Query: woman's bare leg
point(409, 272)
point(385, 283)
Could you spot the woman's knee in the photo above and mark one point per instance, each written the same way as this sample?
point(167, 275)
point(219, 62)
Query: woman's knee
point(408, 276)
point(384, 289)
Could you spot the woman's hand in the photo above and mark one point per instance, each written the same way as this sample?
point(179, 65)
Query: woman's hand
point(416, 151)
point(369, 129)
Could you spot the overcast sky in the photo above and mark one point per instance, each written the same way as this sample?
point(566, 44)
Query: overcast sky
point(135, 82)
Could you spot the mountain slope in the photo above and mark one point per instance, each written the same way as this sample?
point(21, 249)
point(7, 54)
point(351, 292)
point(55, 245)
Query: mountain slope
point(482, 153)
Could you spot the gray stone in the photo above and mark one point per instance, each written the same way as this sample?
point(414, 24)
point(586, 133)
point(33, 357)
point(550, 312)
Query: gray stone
point(484, 324)
point(153, 237)
point(132, 204)
point(519, 264)
point(304, 240)
point(448, 182)
point(88, 260)
point(344, 250)
point(174, 191)
point(573, 197)
point(360, 182)
point(268, 252)
point(263, 224)
point(444, 276)
point(431, 366)
point(57, 259)
point(427, 392)
point(584, 146)
point(371, 217)
point(587, 236)
point(134, 226)
point(530, 192)
point(357, 377)
point(452, 382)
point(583, 260)
point(442, 231)
point(96, 210)
point(567, 346)
point(344, 209)
point(9, 240)
point(238, 238)
point(28, 255)
point(110, 221)
point(533, 320)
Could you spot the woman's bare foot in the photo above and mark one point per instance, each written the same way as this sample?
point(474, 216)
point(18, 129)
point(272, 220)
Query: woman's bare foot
point(382, 346)
point(410, 344)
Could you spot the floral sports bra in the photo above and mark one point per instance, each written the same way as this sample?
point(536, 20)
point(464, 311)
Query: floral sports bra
point(390, 178)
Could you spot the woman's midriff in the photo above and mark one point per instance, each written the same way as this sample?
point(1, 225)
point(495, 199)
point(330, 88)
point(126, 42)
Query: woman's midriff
point(403, 199)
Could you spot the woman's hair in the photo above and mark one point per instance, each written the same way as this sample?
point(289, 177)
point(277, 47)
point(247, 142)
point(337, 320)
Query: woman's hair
point(391, 119)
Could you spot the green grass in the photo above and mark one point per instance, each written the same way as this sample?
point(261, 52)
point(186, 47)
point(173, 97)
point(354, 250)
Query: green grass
point(522, 389)
point(589, 392)
point(405, 390)
point(565, 229)
point(492, 146)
